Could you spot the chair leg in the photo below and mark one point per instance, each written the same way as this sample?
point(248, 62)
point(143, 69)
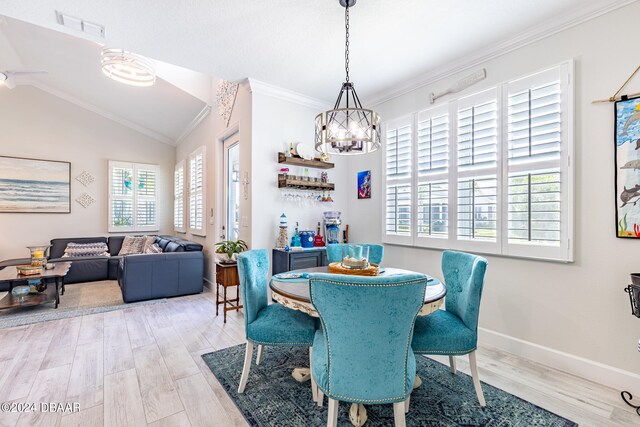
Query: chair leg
point(406, 405)
point(398, 414)
point(259, 356)
point(247, 366)
point(314, 389)
point(476, 378)
point(319, 396)
point(332, 418)
point(452, 364)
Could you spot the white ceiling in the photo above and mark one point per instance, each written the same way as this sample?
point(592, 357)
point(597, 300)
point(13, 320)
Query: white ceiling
point(299, 44)
point(162, 111)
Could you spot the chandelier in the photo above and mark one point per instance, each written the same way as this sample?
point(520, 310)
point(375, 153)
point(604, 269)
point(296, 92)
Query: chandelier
point(348, 128)
point(128, 68)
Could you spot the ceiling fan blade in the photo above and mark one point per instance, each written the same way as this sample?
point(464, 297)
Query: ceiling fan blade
point(23, 72)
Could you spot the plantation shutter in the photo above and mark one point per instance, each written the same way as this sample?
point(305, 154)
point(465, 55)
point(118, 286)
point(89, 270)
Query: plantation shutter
point(178, 200)
point(433, 142)
point(121, 196)
point(477, 130)
point(132, 197)
point(196, 192)
point(398, 181)
point(537, 198)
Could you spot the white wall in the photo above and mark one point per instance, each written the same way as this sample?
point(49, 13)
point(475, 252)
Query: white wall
point(577, 309)
point(208, 134)
point(35, 124)
point(276, 123)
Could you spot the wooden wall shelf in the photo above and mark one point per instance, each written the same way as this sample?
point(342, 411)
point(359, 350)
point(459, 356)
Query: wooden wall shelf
point(285, 181)
point(299, 161)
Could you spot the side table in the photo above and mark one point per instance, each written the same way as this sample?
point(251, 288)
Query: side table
point(227, 276)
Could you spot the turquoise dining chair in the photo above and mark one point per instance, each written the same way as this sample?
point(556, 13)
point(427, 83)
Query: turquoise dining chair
point(270, 325)
point(454, 332)
point(334, 252)
point(362, 352)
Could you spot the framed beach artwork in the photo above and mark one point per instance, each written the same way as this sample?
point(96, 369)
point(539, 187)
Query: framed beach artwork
point(34, 186)
point(627, 162)
point(364, 185)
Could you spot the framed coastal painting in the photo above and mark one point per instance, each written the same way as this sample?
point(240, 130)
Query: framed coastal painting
point(34, 186)
point(627, 163)
point(364, 185)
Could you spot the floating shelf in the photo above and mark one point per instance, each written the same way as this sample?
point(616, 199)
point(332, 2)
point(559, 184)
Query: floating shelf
point(299, 161)
point(285, 181)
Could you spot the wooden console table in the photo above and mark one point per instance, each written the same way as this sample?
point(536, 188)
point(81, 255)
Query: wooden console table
point(227, 276)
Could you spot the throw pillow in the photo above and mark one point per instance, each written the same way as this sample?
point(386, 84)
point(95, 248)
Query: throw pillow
point(132, 245)
point(148, 241)
point(85, 249)
point(153, 249)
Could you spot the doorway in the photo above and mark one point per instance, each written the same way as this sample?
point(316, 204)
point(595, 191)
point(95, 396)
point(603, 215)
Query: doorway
point(231, 201)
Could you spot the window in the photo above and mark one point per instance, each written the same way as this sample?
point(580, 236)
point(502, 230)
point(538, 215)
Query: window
point(197, 192)
point(133, 197)
point(178, 199)
point(489, 172)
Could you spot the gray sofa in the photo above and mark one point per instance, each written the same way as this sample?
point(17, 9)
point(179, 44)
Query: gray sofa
point(178, 270)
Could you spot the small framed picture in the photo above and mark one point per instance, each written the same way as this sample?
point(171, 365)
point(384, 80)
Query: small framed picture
point(364, 185)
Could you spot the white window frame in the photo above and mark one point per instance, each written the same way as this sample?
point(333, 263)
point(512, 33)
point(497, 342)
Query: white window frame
point(562, 253)
point(198, 231)
point(179, 196)
point(134, 197)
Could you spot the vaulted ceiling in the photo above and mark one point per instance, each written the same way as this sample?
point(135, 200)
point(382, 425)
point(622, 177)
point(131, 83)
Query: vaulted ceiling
point(162, 111)
point(299, 44)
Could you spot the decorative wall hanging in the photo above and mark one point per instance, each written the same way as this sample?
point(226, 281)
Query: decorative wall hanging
point(34, 185)
point(226, 98)
point(85, 178)
point(627, 163)
point(364, 185)
point(85, 200)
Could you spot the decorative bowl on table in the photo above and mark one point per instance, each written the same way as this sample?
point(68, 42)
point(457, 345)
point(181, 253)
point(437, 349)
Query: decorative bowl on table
point(29, 269)
point(38, 254)
point(20, 291)
point(355, 256)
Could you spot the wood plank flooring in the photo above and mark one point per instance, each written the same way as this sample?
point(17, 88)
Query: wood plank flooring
point(142, 366)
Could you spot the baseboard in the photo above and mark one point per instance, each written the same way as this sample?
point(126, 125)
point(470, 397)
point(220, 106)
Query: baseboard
point(600, 373)
point(209, 283)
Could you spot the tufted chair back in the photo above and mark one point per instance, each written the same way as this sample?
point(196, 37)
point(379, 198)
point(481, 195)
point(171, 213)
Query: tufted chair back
point(367, 328)
point(253, 271)
point(376, 252)
point(464, 277)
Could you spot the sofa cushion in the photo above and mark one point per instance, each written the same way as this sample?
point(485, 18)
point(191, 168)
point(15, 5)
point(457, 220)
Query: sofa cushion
point(162, 242)
point(173, 247)
point(86, 269)
point(59, 245)
point(132, 245)
point(115, 243)
point(74, 250)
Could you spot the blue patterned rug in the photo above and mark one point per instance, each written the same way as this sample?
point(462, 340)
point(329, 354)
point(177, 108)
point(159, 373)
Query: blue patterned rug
point(273, 398)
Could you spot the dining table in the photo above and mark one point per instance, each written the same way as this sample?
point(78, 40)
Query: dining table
point(291, 289)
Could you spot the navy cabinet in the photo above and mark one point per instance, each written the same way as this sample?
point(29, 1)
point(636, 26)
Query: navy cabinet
point(295, 260)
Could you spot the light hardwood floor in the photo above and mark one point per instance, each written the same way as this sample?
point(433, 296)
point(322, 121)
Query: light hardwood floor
point(142, 366)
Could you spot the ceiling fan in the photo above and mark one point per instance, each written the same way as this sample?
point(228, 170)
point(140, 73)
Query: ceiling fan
point(7, 78)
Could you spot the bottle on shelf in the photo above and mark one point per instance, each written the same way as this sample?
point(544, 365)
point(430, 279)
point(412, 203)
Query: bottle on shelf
point(295, 240)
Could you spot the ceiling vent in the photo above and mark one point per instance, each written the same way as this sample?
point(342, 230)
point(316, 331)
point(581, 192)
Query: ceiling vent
point(95, 30)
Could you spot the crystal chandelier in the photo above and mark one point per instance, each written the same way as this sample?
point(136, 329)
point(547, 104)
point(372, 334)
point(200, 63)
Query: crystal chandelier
point(348, 128)
point(128, 68)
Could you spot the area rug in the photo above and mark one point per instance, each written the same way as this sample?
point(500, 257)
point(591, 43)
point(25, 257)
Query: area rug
point(78, 300)
point(273, 398)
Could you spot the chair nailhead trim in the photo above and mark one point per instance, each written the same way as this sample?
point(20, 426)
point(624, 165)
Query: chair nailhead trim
point(279, 343)
point(409, 338)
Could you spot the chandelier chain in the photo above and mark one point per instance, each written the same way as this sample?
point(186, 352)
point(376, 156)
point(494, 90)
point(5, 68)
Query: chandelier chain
point(346, 44)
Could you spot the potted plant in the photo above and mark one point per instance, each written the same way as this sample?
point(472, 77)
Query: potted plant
point(229, 250)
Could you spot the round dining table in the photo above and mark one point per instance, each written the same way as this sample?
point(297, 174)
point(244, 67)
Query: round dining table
point(293, 293)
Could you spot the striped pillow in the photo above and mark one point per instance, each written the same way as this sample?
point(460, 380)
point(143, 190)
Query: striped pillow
point(153, 249)
point(85, 249)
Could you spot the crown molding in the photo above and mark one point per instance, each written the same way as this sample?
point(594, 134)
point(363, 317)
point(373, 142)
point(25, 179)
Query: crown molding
point(106, 114)
point(262, 88)
point(552, 26)
point(194, 124)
